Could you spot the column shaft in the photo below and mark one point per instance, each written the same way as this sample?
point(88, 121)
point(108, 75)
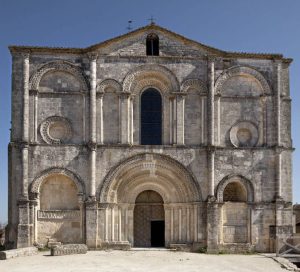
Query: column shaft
point(125, 118)
point(180, 119)
point(211, 106)
point(277, 104)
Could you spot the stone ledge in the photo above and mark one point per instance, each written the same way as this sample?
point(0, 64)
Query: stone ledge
point(19, 252)
point(69, 249)
point(181, 247)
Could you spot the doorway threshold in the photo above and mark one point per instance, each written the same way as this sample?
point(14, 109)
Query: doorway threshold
point(151, 249)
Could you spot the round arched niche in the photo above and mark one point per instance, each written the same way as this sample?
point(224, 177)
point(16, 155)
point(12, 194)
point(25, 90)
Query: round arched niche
point(58, 192)
point(56, 130)
point(235, 192)
point(244, 134)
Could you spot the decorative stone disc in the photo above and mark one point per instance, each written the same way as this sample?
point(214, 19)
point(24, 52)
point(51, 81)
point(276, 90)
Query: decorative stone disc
point(56, 130)
point(244, 134)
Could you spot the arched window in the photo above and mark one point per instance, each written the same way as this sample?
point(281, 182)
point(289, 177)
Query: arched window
point(235, 192)
point(151, 117)
point(152, 45)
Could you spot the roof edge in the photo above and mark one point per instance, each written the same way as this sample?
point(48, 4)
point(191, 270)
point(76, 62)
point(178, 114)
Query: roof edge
point(213, 51)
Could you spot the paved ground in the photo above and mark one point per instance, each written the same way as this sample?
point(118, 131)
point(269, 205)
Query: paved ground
point(152, 261)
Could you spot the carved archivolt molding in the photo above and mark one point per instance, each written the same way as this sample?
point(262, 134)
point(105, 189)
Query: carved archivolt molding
point(37, 182)
point(193, 83)
point(247, 184)
point(241, 70)
point(63, 66)
point(149, 170)
point(109, 83)
point(156, 76)
point(56, 130)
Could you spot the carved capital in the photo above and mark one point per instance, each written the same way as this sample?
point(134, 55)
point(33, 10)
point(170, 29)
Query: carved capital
point(33, 92)
point(92, 146)
point(99, 94)
point(92, 56)
point(124, 95)
point(25, 55)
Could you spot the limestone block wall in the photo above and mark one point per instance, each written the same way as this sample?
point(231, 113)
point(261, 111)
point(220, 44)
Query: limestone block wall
point(76, 115)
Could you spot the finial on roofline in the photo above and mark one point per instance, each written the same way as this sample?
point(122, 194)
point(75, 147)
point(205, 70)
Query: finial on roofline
point(152, 20)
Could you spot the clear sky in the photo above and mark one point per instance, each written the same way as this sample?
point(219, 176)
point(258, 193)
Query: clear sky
point(234, 25)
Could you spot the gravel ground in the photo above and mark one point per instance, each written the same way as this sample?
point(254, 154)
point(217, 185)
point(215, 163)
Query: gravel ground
point(123, 261)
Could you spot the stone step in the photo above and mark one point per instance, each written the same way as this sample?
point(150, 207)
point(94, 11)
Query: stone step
point(20, 252)
point(53, 244)
point(69, 249)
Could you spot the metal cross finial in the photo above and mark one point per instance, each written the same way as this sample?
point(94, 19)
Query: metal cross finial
point(152, 20)
point(129, 27)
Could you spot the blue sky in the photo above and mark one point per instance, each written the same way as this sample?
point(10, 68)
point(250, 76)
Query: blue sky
point(234, 25)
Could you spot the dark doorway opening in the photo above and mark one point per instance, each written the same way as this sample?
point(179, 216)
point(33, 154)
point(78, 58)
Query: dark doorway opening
point(158, 233)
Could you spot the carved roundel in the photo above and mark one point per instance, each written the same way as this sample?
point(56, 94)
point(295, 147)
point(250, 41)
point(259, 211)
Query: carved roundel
point(244, 134)
point(56, 130)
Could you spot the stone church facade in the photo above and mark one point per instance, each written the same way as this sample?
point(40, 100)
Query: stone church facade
point(150, 139)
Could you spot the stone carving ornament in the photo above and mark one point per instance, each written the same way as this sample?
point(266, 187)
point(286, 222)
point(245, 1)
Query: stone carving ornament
point(244, 134)
point(56, 130)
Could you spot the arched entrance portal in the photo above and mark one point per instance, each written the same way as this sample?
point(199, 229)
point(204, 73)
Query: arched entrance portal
point(133, 189)
point(149, 220)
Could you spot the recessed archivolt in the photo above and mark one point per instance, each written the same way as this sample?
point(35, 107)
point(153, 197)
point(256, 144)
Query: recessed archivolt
point(156, 76)
point(154, 172)
point(35, 186)
point(63, 66)
point(247, 184)
point(242, 71)
point(193, 83)
point(106, 84)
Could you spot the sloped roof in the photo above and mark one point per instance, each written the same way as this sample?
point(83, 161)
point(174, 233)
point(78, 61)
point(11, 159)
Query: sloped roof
point(150, 27)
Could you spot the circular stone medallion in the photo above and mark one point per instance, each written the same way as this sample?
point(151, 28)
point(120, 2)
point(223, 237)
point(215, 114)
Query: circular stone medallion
point(244, 134)
point(56, 130)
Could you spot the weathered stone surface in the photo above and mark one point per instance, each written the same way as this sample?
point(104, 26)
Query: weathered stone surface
point(69, 249)
point(77, 161)
point(20, 252)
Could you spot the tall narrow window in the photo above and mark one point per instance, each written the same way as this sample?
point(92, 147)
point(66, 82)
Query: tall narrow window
point(152, 45)
point(151, 117)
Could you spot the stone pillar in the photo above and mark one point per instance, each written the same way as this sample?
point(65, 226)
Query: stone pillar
point(34, 95)
point(212, 226)
point(173, 127)
point(278, 174)
point(125, 110)
point(91, 215)
point(93, 154)
point(211, 170)
point(24, 232)
point(210, 103)
point(24, 224)
point(277, 103)
point(100, 116)
point(278, 127)
point(93, 129)
point(25, 137)
point(93, 83)
point(180, 118)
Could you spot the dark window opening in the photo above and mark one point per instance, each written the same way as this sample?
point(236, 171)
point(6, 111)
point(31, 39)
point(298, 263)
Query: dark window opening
point(152, 45)
point(151, 117)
